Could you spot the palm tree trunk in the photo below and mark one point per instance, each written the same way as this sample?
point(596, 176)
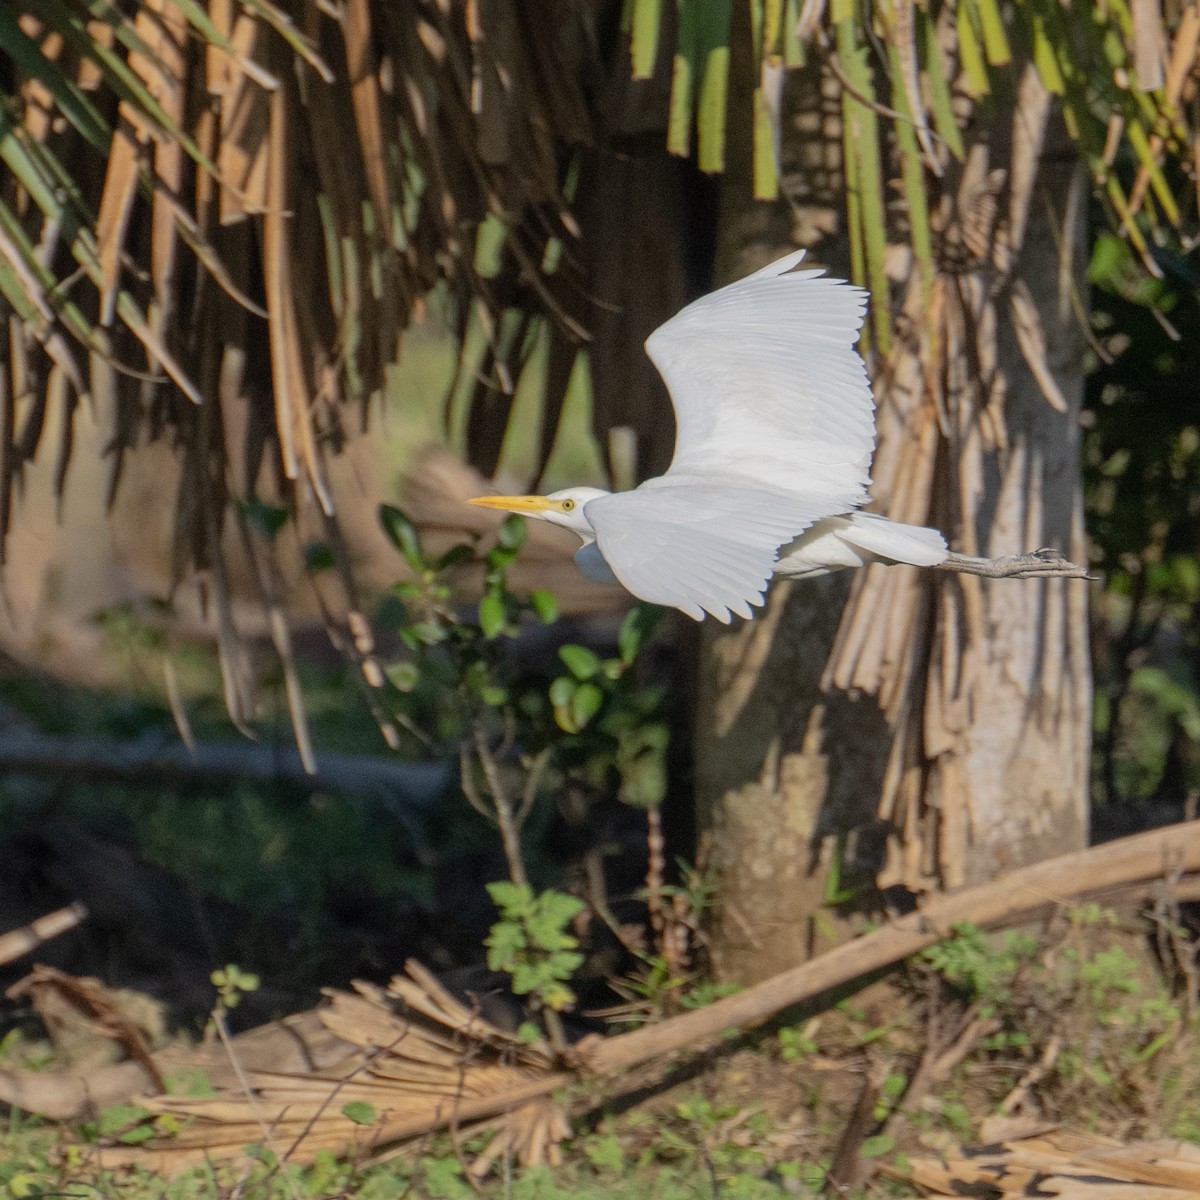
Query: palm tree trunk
point(900, 728)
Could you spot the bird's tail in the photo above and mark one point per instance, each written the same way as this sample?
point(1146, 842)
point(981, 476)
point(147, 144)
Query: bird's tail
point(892, 541)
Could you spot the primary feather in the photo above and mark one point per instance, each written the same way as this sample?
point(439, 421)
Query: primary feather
point(768, 388)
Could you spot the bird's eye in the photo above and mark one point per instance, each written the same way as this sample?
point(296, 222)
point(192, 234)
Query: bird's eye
point(567, 505)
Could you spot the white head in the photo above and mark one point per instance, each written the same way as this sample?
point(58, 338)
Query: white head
point(563, 508)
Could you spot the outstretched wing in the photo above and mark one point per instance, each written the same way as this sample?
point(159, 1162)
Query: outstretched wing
point(768, 388)
point(697, 548)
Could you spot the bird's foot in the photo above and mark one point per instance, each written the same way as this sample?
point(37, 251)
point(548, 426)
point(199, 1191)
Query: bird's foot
point(1037, 563)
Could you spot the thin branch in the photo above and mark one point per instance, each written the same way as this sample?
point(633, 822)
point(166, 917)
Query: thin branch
point(533, 782)
point(882, 110)
point(510, 829)
point(18, 942)
point(466, 772)
point(218, 1020)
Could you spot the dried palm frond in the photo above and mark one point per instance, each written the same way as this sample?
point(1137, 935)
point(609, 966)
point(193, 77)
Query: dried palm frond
point(422, 1061)
point(218, 219)
point(1061, 1163)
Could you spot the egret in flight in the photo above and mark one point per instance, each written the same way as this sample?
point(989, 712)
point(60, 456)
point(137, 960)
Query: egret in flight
point(774, 432)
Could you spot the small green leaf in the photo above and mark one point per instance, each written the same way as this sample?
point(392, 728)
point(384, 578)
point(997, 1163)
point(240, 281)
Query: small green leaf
point(359, 1111)
point(605, 1153)
point(873, 1147)
point(25, 1183)
point(402, 676)
point(585, 704)
point(493, 615)
point(424, 633)
point(120, 1116)
point(507, 895)
point(169, 1125)
point(512, 532)
point(579, 660)
point(635, 629)
point(556, 909)
point(545, 605)
point(139, 1133)
point(403, 535)
point(644, 781)
point(189, 1082)
point(558, 996)
point(499, 558)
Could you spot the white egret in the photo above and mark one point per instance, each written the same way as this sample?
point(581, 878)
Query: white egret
point(775, 429)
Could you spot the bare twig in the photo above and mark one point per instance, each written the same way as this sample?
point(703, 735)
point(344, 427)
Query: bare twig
point(936, 1066)
point(466, 775)
point(533, 781)
point(21, 941)
point(845, 1169)
point(1017, 1098)
point(218, 1020)
point(508, 820)
point(1173, 946)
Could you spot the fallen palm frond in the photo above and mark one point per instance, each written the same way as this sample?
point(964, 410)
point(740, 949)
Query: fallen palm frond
point(1069, 1165)
point(295, 1044)
point(422, 1061)
point(55, 994)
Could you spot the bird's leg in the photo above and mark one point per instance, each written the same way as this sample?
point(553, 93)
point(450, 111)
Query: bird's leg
point(1015, 566)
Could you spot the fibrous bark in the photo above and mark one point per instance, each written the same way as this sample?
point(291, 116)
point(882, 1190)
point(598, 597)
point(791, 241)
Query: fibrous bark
point(930, 731)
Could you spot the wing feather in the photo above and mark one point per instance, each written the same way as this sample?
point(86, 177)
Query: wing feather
point(698, 548)
point(768, 388)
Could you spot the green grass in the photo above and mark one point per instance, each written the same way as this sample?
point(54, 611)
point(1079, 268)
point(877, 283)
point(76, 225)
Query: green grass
point(39, 1162)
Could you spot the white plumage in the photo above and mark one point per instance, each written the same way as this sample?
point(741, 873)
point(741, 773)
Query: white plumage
point(775, 430)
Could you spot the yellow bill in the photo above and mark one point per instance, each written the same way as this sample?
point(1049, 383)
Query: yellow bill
point(517, 504)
